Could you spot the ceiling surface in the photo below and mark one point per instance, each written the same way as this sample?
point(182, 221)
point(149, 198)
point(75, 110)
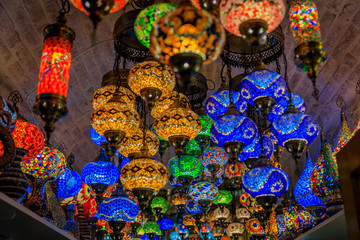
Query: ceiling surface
point(22, 23)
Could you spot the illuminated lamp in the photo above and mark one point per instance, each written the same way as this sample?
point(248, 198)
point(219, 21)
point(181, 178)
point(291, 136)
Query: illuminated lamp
point(69, 183)
point(235, 170)
point(152, 229)
point(182, 231)
point(305, 220)
point(255, 229)
point(192, 148)
point(242, 214)
point(179, 125)
point(223, 198)
point(252, 20)
point(158, 205)
point(262, 144)
point(186, 169)
point(213, 159)
point(305, 28)
point(54, 73)
point(345, 133)
point(205, 231)
point(147, 18)
point(185, 39)
point(210, 6)
point(151, 80)
point(294, 131)
point(113, 119)
point(165, 101)
point(235, 230)
point(179, 197)
point(204, 193)
point(193, 207)
point(280, 107)
point(204, 136)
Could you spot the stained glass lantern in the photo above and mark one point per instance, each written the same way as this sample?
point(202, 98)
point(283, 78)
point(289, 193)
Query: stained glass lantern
point(118, 208)
point(185, 38)
point(250, 203)
point(252, 20)
point(223, 198)
point(205, 232)
point(214, 158)
point(235, 229)
point(280, 106)
point(235, 170)
point(179, 199)
point(192, 148)
point(204, 193)
point(255, 149)
point(9, 109)
point(294, 131)
point(97, 10)
point(221, 213)
point(324, 179)
point(345, 133)
point(179, 125)
point(186, 169)
point(305, 220)
point(305, 28)
point(68, 184)
point(193, 207)
point(218, 103)
point(49, 163)
point(263, 88)
point(290, 214)
point(146, 20)
point(165, 101)
point(182, 230)
point(134, 141)
point(151, 80)
point(159, 205)
point(166, 224)
point(303, 192)
point(54, 73)
point(96, 137)
point(113, 119)
point(152, 228)
point(254, 227)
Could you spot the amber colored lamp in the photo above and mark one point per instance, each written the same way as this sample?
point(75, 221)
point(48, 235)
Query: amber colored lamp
point(165, 101)
point(54, 73)
point(150, 80)
point(105, 93)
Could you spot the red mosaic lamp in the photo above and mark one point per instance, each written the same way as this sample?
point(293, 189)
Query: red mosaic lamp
point(54, 72)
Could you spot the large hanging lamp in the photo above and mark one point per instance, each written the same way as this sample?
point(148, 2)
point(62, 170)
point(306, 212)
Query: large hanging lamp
point(165, 101)
point(185, 169)
point(185, 39)
point(178, 125)
point(54, 71)
point(280, 106)
point(252, 20)
point(151, 80)
point(69, 184)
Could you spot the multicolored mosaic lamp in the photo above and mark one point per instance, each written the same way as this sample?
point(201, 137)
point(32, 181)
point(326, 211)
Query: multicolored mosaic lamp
point(345, 133)
point(255, 229)
point(204, 193)
point(186, 169)
point(305, 28)
point(68, 184)
point(303, 192)
point(151, 80)
point(294, 131)
point(235, 170)
point(146, 20)
point(214, 158)
point(263, 88)
point(186, 38)
point(193, 207)
point(280, 107)
point(252, 20)
point(204, 136)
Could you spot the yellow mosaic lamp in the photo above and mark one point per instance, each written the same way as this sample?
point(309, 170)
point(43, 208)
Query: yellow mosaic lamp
point(165, 101)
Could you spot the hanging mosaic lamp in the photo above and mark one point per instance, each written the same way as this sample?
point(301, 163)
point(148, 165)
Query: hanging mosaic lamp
point(223, 198)
point(262, 89)
point(235, 170)
point(54, 73)
point(134, 141)
point(255, 229)
point(252, 20)
point(49, 163)
point(192, 149)
point(242, 214)
point(254, 150)
point(151, 80)
point(185, 39)
point(305, 28)
point(69, 183)
point(250, 203)
point(214, 158)
point(113, 119)
point(152, 229)
point(303, 192)
point(179, 125)
point(166, 224)
point(158, 205)
point(204, 136)
point(9, 110)
point(97, 10)
point(235, 230)
point(324, 179)
point(186, 169)
point(203, 192)
point(165, 101)
point(280, 106)
point(182, 231)
point(109, 87)
point(345, 133)
point(291, 224)
point(294, 131)
point(193, 207)
point(146, 20)
point(305, 220)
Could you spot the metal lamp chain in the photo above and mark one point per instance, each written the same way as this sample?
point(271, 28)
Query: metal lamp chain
point(65, 7)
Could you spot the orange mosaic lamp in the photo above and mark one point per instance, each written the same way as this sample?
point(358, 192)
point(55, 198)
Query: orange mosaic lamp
point(54, 73)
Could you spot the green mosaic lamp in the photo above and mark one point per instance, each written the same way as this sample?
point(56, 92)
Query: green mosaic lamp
point(158, 205)
point(186, 169)
point(223, 198)
point(193, 148)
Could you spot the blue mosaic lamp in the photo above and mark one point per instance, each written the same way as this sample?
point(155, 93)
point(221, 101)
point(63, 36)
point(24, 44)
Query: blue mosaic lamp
point(262, 89)
point(193, 207)
point(96, 137)
point(166, 224)
point(280, 106)
point(218, 103)
point(118, 208)
point(183, 231)
point(68, 184)
point(255, 149)
point(294, 131)
point(302, 191)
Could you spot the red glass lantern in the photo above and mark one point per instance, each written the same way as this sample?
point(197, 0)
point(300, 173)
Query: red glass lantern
point(54, 73)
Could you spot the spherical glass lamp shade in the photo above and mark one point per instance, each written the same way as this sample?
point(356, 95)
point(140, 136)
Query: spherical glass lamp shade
point(265, 181)
point(151, 80)
point(105, 93)
point(81, 197)
point(218, 103)
point(193, 207)
point(252, 19)
point(179, 199)
point(49, 162)
point(9, 109)
point(224, 197)
point(302, 191)
point(192, 148)
point(235, 228)
point(118, 208)
point(146, 20)
point(235, 171)
point(186, 169)
point(166, 224)
point(100, 172)
point(294, 131)
point(68, 184)
point(165, 101)
point(133, 142)
point(280, 106)
point(214, 156)
point(256, 148)
point(254, 227)
point(305, 219)
point(159, 204)
point(96, 137)
point(262, 89)
point(144, 173)
point(203, 191)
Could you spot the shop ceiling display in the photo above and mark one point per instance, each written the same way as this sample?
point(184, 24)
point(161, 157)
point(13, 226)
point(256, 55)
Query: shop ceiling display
point(226, 178)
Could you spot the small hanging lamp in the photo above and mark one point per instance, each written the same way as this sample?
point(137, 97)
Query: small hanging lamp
point(185, 169)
